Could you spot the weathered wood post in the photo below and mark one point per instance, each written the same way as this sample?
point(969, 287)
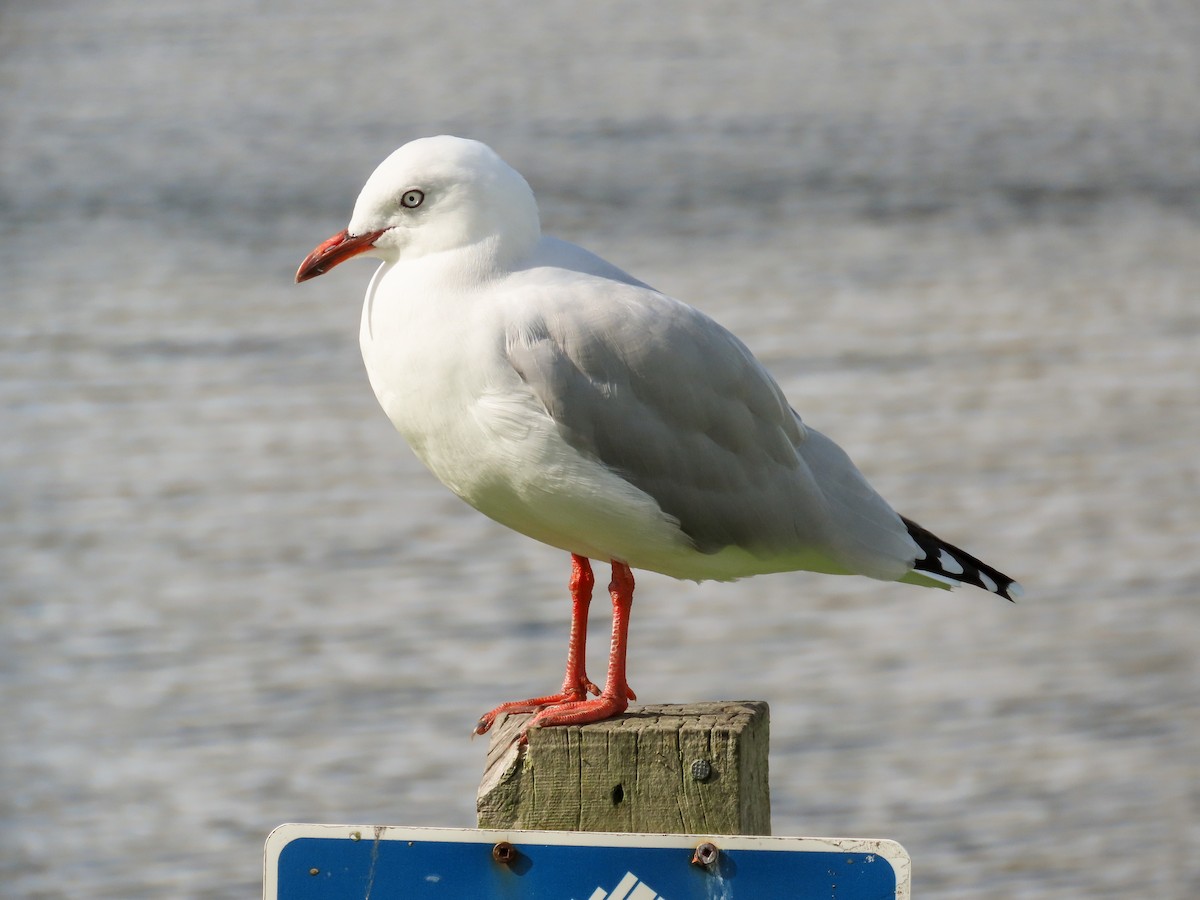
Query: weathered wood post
point(686, 784)
point(699, 768)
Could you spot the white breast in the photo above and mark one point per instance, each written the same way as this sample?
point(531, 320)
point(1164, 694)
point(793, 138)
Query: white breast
point(437, 366)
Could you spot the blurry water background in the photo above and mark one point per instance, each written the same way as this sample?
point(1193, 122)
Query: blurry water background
point(965, 237)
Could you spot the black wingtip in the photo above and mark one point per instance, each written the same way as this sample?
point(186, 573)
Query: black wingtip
point(948, 561)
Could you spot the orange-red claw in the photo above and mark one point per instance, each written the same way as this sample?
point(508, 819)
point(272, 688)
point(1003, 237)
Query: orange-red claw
point(580, 712)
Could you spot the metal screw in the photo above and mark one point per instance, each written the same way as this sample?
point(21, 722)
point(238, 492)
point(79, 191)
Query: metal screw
point(504, 853)
point(701, 769)
point(706, 854)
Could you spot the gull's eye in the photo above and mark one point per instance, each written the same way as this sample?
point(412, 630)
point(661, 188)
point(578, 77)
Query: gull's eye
point(412, 199)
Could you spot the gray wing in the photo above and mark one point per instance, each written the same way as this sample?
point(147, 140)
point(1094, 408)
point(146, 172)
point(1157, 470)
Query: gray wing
point(674, 403)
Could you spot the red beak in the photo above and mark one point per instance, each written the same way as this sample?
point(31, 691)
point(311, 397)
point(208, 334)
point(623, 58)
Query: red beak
point(337, 249)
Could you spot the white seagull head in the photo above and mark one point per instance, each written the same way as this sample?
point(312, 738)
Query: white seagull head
point(434, 195)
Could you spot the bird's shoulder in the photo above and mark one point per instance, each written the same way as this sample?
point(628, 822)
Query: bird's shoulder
point(591, 343)
point(660, 393)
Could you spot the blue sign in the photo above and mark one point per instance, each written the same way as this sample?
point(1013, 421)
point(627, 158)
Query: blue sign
point(332, 862)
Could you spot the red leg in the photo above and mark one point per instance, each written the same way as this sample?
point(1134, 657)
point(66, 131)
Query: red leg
point(576, 684)
point(582, 580)
point(615, 697)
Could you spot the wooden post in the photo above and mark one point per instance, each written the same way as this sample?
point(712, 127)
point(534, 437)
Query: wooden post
point(699, 768)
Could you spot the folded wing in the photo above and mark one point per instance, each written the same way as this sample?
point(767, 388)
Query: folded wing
point(664, 396)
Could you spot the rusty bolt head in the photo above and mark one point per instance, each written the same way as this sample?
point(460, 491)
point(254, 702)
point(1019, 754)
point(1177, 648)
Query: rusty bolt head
point(504, 853)
point(706, 854)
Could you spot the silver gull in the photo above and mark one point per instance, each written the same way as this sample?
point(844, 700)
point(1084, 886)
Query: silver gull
point(579, 406)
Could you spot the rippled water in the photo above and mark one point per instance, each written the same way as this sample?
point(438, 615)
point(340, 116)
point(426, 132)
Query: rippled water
point(966, 239)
